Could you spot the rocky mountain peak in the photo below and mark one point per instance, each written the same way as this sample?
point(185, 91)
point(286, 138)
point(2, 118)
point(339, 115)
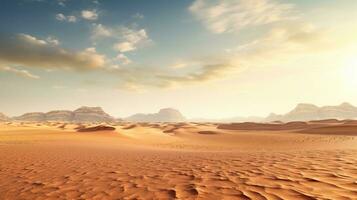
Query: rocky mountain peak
point(305, 106)
point(87, 109)
point(306, 112)
point(164, 115)
point(346, 105)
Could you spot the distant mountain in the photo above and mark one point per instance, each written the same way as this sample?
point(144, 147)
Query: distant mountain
point(3, 117)
point(164, 115)
point(82, 114)
point(59, 115)
point(273, 117)
point(91, 114)
point(33, 117)
point(307, 112)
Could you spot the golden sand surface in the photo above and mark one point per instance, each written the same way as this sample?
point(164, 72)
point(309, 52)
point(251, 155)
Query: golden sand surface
point(175, 161)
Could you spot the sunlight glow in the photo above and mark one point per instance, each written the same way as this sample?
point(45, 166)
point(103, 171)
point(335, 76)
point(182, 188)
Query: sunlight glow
point(350, 73)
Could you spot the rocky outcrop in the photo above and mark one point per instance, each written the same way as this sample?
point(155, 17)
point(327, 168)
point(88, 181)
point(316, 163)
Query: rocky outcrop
point(91, 114)
point(164, 115)
point(308, 112)
point(33, 117)
point(83, 114)
point(59, 115)
point(343, 111)
point(273, 117)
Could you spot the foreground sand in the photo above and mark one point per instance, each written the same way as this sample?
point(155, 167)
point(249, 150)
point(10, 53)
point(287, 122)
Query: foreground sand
point(168, 161)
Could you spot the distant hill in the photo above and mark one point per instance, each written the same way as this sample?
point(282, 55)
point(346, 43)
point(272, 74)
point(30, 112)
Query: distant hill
point(82, 114)
point(3, 117)
point(307, 112)
point(59, 115)
point(164, 115)
point(91, 114)
point(32, 116)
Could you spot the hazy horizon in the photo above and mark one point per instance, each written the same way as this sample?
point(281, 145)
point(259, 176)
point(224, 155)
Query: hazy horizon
point(208, 59)
point(198, 118)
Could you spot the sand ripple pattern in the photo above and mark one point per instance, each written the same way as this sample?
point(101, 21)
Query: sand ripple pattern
point(65, 172)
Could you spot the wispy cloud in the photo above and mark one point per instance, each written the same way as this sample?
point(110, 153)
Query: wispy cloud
point(127, 39)
point(101, 31)
point(131, 39)
point(52, 40)
point(231, 16)
point(27, 50)
point(207, 72)
point(286, 34)
point(284, 43)
point(123, 59)
point(90, 15)
point(19, 72)
point(69, 18)
point(124, 46)
point(138, 78)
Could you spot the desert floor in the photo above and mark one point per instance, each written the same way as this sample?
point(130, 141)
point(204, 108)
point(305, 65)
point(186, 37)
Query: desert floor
point(175, 161)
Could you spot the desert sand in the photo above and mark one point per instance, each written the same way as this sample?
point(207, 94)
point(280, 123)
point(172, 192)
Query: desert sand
point(299, 160)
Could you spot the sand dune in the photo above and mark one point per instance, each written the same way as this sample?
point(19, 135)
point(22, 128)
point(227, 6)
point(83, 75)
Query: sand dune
point(331, 126)
point(96, 128)
point(334, 130)
point(174, 161)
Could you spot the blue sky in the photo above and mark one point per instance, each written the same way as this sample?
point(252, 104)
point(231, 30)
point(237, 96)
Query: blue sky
point(207, 58)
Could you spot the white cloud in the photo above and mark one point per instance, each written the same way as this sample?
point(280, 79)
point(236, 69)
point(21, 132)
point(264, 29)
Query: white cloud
point(52, 40)
point(124, 46)
point(62, 2)
point(232, 16)
point(131, 39)
point(89, 14)
point(91, 50)
point(60, 17)
point(31, 40)
point(126, 39)
point(123, 59)
point(69, 18)
point(100, 30)
point(19, 72)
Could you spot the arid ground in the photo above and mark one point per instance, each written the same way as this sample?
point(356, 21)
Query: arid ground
point(316, 160)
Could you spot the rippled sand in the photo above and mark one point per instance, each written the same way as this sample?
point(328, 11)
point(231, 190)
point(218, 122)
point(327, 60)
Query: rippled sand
point(174, 161)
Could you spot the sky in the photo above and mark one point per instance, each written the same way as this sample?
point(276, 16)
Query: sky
point(206, 58)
